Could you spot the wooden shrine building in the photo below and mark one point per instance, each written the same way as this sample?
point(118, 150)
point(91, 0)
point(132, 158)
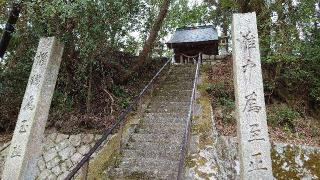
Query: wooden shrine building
point(190, 43)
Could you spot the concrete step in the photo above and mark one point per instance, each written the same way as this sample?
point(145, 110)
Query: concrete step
point(175, 87)
point(165, 118)
point(178, 83)
point(179, 78)
point(180, 75)
point(185, 70)
point(155, 154)
point(173, 92)
point(173, 98)
point(153, 149)
point(168, 107)
point(153, 146)
point(149, 168)
point(165, 138)
point(160, 128)
point(160, 91)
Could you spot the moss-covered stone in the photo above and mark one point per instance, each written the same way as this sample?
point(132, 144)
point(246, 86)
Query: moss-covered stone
point(295, 163)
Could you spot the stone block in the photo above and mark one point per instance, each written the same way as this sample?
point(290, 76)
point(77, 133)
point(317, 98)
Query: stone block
point(75, 140)
point(67, 152)
point(54, 162)
point(76, 158)
point(52, 136)
point(44, 175)
point(41, 164)
point(84, 149)
point(63, 175)
point(253, 139)
point(63, 144)
point(88, 138)
point(49, 155)
point(61, 137)
point(56, 170)
point(26, 144)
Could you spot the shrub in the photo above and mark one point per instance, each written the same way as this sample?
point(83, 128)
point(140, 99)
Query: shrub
point(283, 116)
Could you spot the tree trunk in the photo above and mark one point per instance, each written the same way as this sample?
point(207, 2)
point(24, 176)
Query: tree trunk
point(153, 35)
point(244, 6)
point(12, 20)
point(89, 92)
point(225, 27)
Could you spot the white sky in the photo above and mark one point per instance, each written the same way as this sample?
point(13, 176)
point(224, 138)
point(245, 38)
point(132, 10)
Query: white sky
point(194, 2)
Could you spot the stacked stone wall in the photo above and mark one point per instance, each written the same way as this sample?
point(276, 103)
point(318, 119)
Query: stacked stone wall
point(60, 153)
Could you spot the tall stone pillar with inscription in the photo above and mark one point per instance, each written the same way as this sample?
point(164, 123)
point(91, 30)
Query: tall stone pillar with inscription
point(27, 138)
point(252, 129)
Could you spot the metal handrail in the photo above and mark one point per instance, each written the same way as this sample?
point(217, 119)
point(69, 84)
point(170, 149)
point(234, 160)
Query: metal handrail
point(121, 118)
point(188, 126)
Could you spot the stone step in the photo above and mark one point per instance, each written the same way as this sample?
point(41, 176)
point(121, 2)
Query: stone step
point(153, 149)
point(168, 107)
point(177, 83)
point(153, 146)
point(181, 68)
point(175, 87)
point(184, 70)
point(170, 93)
point(149, 168)
point(165, 118)
point(160, 128)
point(171, 107)
point(172, 98)
point(182, 74)
point(155, 154)
point(178, 78)
point(160, 91)
point(165, 138)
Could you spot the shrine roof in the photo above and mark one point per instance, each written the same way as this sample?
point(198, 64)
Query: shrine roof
point(194, 34)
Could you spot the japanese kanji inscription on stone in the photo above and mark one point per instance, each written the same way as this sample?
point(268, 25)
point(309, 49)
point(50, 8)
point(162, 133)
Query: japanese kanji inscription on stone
point(26, 142)
point(252, 129)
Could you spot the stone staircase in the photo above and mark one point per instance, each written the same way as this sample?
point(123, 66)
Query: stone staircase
point(153, 149)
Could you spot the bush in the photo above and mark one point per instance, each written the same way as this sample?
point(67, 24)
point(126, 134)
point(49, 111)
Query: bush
point(283, 116)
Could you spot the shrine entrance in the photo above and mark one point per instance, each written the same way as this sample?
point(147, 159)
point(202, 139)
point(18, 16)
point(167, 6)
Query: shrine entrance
point(190, 59)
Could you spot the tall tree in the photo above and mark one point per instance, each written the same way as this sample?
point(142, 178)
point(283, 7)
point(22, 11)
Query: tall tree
point(153, 34)
point(149, 43)
point(9, 28)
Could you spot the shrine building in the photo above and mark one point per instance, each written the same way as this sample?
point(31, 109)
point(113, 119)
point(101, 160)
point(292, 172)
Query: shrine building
point(191, 43)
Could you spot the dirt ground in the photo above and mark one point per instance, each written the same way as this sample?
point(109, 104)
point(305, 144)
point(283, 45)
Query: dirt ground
point(301, 129)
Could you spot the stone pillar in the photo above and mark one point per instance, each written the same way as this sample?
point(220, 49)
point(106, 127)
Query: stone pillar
point(252, 129)
point(26, 143)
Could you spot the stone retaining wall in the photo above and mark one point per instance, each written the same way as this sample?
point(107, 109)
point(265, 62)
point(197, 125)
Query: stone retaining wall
point(60, 154)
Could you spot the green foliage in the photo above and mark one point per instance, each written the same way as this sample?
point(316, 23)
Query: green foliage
point(94, 30)
point(290, 51)
point(118, 91)
point(94, 34)
point(283, 116)
point(220, 93)
point(125, 102)
point(227, 102)
point(218, 90)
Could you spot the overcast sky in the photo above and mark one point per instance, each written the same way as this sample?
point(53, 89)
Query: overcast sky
point(192, 2)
